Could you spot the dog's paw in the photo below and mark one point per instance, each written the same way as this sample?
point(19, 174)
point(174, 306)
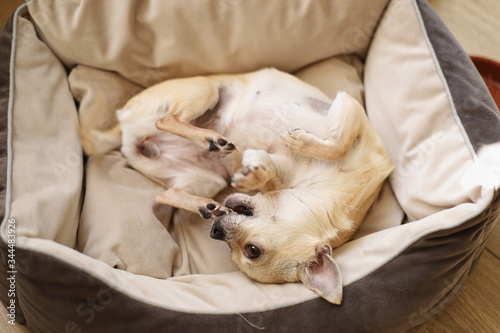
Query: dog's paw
point(302, 141)
point(213, 210)
point(296, 138)
point(251, 177)
point(221, 145)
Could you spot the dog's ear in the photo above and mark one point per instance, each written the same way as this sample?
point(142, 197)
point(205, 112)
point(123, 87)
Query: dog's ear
point(322, 275)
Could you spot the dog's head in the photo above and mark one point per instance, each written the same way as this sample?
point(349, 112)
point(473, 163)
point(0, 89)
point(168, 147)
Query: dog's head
point(275, 243)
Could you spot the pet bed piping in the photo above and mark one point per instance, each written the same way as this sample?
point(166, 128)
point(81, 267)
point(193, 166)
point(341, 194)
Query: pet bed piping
point(10, 111)
point(443, 81)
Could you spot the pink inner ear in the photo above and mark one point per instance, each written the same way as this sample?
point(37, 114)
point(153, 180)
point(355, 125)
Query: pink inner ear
point(319, 266)
point(323, 277)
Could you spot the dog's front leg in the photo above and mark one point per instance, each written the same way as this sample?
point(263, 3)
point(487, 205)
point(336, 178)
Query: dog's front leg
point(346, 118)
point(260, 171)
point(192, 191)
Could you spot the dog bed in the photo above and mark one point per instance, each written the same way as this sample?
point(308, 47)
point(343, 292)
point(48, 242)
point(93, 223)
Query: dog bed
point(86, 248)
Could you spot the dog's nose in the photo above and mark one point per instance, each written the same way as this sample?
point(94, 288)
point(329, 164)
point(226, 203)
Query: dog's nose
point(217, 232)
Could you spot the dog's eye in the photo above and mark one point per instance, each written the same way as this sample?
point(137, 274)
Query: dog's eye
point(252, 251)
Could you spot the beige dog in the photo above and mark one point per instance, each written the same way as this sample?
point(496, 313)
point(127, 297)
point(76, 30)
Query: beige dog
point(311, 168)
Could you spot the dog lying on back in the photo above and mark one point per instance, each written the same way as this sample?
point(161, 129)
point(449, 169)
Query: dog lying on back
point(306, 169)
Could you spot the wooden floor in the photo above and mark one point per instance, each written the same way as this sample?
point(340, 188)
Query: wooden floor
point(476, 309)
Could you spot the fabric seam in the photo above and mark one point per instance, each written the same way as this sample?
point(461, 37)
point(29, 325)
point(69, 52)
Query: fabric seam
point(10, 111)
point(443, 80)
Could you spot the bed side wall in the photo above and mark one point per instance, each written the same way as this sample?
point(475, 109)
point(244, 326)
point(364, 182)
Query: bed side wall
point(46, 153)
point(221, 36)
point(444, 138)
point(6, 296)
point(439, 111)
point(394, 298)
point(41, 162)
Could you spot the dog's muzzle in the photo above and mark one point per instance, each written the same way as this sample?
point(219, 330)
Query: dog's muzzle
point(240, 204)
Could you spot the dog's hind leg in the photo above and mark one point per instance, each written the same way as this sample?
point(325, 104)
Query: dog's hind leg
point(346, 119)
point(189, 99)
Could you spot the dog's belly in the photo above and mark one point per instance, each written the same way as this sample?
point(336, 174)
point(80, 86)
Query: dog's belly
point(258, 122)
point(252, 115)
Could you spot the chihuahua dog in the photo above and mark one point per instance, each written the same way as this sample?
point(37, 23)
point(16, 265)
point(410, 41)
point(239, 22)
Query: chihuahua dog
point(306, 169)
